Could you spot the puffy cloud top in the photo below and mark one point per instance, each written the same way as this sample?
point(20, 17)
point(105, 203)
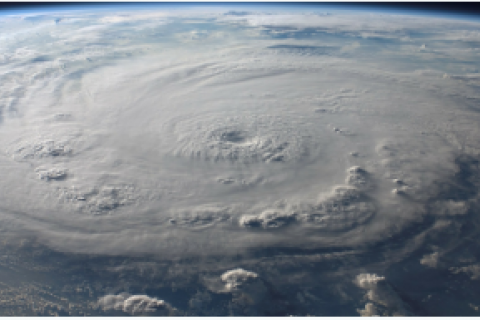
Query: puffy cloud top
point(236, 278)
point(383, 298)
point(134, 304)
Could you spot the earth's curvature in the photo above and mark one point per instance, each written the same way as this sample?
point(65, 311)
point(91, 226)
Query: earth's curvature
point(208, 161)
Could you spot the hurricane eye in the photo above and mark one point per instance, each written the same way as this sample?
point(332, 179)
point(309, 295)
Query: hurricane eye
point(233, 136)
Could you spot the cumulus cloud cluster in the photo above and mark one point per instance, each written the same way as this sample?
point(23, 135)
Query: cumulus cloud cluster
point(383, 300)
point(43, 149)
point(98, 200)
point(341, 209)
point(135, 304)
point(242, 282)
point(250, 294)
point(51, 173)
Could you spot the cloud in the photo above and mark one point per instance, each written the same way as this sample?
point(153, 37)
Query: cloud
point(244, 138)
point(169, 149)
point(343, 208)
point(135, 304)
point(47, 148)
point(472, 270)
point(358, 177)
point(288, 143)
point(384, 301)
point(268, 219)
point(240, 280)
point(120, 18)
point(251, 295)
point(51, 173)
point(430, 260)
point(367, 25)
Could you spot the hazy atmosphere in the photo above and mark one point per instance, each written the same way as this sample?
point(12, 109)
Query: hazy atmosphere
point(255, 160)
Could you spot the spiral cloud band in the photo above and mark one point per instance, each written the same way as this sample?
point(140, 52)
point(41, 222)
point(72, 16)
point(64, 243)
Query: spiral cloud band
point(184, 135)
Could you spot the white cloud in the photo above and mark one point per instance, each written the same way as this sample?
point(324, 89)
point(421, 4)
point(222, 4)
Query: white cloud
point(133, 17)
point(370, 24)
point(250, 294)
point(156, 131)
point(384, 301)
point(430, 260)
point(472, 270)
point(236, 279)
point(236, 140)
point(135, 304)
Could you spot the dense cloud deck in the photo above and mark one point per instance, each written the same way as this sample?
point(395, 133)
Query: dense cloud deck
point(254, 145)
